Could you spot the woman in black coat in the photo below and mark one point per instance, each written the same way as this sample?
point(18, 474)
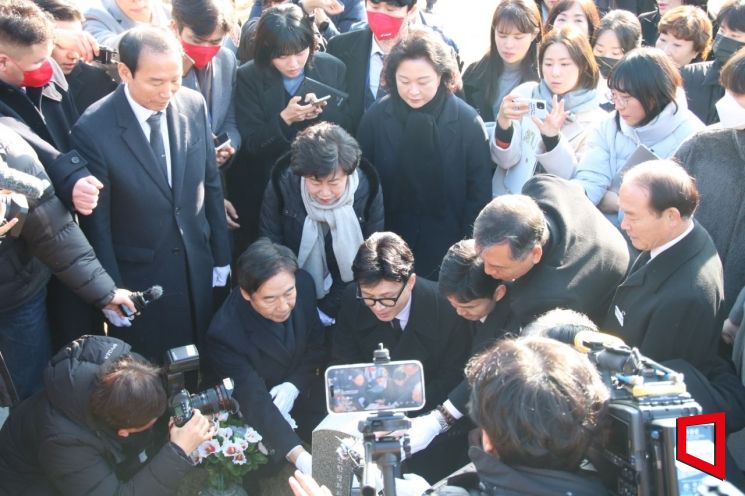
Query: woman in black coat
point(429, 148)
point(322, 205)
point(267, 337)
point(270, 110)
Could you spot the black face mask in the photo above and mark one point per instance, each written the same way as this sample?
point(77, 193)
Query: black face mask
point(725, 47)
point(606, 64)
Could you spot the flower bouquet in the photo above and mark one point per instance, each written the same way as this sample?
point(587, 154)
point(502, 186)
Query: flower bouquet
point(235, 451)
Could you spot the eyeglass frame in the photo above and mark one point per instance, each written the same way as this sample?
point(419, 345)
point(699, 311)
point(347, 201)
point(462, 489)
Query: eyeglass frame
point(375, 301)
point(614, 97)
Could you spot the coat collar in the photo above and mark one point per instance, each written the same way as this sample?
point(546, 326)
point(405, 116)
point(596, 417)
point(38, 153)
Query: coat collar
point(258, 331)
point(447, 122)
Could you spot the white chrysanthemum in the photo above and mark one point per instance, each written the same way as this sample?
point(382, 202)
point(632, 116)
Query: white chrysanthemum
point(209, 447)
point(239, 459)
point(231, 449)
point(225, 433)
point(252, 436)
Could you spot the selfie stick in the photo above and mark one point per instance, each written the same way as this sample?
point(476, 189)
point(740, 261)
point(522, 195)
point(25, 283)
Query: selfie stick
point(385, 451)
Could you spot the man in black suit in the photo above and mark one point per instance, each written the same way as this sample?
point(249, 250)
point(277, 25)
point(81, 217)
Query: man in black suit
point(668, 303)
point(363, 51)
point(391, 305)
point(160, 218)
point(556, 249)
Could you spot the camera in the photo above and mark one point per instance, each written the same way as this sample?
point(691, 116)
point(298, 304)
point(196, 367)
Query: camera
point(106, 56)
point(185, 360)
point(637, 455)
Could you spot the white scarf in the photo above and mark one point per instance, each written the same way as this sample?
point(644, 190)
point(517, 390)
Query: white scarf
point(346, 234)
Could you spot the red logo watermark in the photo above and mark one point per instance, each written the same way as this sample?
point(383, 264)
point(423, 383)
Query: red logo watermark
point(717, 469)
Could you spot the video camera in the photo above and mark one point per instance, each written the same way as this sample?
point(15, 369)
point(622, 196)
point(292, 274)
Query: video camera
point(638, 454)
point(389, 389)
point(181, 361)
point(21, 186)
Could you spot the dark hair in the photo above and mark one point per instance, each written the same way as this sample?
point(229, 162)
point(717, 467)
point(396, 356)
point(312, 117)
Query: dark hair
point(321, 149)
point(422, 43)
point(462, 274)
point(733, 73)
point(61, 10)
point(524, 16)
point(128, 393)
point(22, 24)
point(203, 17)
point(383, 256)
point(152, 38)
point(580, 52)
point(688, 23)
point(513, 219)
point(650, 76)
point(539, 401)
point(668, 185)
point(625, 25)
point(398, 3)
point(732, 15)
point(282, 30)
point(587, 6)
point(261, 261)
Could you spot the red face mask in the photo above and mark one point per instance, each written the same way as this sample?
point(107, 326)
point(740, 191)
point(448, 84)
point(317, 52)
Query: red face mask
point(200, 54)
point(38, 77)
point(384, 26)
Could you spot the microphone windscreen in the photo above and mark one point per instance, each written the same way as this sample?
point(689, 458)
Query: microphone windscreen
point(152, 294)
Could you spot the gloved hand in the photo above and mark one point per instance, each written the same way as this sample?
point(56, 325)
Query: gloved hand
point(220, 276)
point(423, 430)
point(411, 485)
point(115, 319)
point(284, 395)
point(304, 463)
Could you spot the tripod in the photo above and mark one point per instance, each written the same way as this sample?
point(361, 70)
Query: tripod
point(385, 451)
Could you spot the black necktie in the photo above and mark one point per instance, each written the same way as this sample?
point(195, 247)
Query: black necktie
point(381, 83)
point(640, 261)
point(397, 325)
point(156, 142)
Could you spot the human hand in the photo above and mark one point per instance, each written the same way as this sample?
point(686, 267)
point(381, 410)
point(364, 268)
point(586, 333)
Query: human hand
point(121, 297)
point(729, 331)
point(609, 203)
point(4, 228)
point(510, 110)
point(193, 433)
point(83, 42)
point(551, 125)
point(331, 7)
point(284, 395)
point(304, 463)
point(305, 485)
point(223, 154)
point(231, 215)
point(296, 112)
point(85, 194)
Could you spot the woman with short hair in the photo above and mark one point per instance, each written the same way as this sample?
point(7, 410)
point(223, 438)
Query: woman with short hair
point(583, 14)
point(429, 148)
point(685, 35)
point(651, 112)
point(323, 201)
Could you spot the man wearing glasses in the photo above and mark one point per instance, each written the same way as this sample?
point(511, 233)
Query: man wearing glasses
point(389, 304)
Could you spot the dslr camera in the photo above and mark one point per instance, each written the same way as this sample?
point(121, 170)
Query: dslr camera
point(184, 360)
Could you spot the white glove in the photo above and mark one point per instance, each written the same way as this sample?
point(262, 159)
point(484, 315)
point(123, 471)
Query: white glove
point(220, 276)
point(115, 319)
point(411, 485)
point(304, 463)
point(423, 430)
point(284, 395)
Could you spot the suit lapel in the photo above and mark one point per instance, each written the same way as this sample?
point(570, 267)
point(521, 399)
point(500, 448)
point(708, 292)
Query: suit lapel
point(139, 145)
point(177, 137)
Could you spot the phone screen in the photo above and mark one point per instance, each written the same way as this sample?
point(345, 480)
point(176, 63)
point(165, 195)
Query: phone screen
point(393, 386)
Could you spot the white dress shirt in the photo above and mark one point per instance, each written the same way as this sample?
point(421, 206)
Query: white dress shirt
point(656, 251)
point(142, 114)
point(403, 315)
point(376, 66)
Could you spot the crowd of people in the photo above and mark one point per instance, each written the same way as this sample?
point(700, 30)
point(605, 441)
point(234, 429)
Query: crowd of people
point(325, 176)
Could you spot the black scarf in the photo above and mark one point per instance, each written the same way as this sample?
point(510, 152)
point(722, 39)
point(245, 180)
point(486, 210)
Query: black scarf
point(422, 185)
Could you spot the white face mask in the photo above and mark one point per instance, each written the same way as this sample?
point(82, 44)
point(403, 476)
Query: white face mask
point(731, 113)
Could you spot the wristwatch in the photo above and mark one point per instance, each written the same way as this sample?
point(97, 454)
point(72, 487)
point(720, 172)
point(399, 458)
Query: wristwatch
point(444, 418)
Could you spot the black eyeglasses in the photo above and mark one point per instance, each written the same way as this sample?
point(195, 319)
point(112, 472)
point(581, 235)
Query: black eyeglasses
point(386, 302)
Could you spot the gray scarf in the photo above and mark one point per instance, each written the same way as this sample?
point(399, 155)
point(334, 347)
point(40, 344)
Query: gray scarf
point(575, 102)
point(346, 234)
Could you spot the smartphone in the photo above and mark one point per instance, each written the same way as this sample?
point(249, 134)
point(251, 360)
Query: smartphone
point(222, 140)
point(367, 387)
point(536, 108)
point(319, 101)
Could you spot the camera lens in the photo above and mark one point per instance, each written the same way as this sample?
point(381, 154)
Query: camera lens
point(541, 105)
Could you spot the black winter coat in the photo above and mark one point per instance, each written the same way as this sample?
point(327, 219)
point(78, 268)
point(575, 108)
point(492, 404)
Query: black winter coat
point(50, 240)
point(260, 97)
point(283, 216)
point(434, 334)
point(467, 170)
point(703, 90)
point(50, 444)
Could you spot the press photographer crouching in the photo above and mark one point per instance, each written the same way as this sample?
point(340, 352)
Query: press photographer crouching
point(97, 428)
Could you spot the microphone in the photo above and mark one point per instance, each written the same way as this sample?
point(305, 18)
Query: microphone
point(141, 299)
point(23, 183)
